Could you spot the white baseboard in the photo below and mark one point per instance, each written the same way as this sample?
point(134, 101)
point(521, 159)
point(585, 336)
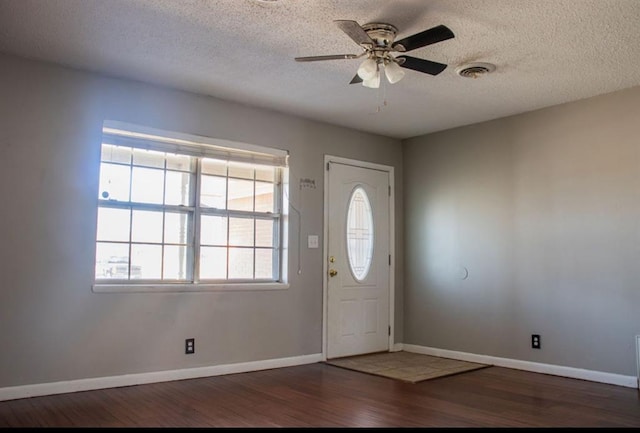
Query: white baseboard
point(536, 367)
point(24, 391)
point(35, 390)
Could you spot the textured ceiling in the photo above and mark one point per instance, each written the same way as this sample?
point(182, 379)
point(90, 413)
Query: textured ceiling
point(546, 52)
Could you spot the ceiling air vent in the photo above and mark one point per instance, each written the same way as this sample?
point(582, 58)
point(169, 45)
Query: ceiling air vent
point(475, 70)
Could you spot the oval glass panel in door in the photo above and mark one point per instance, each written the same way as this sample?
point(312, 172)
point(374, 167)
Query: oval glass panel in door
point(359, 233)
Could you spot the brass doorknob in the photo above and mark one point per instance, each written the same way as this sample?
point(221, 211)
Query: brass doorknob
point(333, 272)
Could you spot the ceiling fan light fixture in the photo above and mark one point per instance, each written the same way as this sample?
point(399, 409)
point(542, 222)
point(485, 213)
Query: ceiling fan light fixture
point(373, 82)
point(393, 71)
point(368, 69)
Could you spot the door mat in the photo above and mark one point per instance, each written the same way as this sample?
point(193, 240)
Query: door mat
point(405, 366)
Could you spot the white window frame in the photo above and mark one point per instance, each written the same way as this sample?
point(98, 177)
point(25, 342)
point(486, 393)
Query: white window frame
point(198, 146)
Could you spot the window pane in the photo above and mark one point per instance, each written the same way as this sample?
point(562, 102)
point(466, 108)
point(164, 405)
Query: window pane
point(177, 188)
point(119, 268)
point(265, 173)
point(264, 197)
point(359, 234)
point(241, 263)
point(241, 231)
point(244, 171)
point(176, 228)
point(146, 226)
point(114, 182)
point(147, 185)
point(240, 195)
point(213, 263)
point(179, 162)
point(264, 233)
point(112, 260)
point(213, 192)
point(213, 230)
point(148, 158)
point(113, 224)
point(113, 153)
point(264, 263)
point(146, 261)
point(214, 166)
point(175, 263)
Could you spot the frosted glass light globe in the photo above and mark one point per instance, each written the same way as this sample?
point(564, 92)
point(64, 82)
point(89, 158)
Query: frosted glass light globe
point(368, 69)
point(373, 82)
point(394, 72)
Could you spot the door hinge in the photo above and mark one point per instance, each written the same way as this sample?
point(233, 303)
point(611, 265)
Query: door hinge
point(389, 330)
point(389, 190)
point(328, 166)
point(389, 259)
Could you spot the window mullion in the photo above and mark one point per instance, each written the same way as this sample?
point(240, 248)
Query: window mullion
point(254, 225)
point(130, 242)
point(276, 253)
point(130, 218)
point(226, 206)
point(164, 202)
point(195, 260)
point(144, 206)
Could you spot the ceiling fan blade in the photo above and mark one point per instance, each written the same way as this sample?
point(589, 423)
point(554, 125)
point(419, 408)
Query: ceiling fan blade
point(421, 65)
point(356, 79)
point(354, 31)
point(330, 57)
point(436, 34)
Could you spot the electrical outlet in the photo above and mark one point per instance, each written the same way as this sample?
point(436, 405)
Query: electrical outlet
point(190, 346)
point(535, 341)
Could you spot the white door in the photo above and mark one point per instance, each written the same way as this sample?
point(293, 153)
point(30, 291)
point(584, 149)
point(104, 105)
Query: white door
point(358, 260)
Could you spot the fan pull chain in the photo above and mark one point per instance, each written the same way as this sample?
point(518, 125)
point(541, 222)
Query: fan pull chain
point(382, 90)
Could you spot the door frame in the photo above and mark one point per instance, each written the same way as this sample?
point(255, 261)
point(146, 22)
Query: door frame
point(325, 253)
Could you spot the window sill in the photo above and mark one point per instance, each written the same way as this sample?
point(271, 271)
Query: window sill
point(185, 288)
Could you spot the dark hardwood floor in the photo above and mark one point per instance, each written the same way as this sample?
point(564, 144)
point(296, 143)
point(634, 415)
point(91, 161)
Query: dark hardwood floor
point(320, 395)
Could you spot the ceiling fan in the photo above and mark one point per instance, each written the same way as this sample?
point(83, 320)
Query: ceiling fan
point(378, 42)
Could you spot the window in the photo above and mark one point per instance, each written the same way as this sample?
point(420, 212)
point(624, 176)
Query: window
point(182, 210)
point(359, 233)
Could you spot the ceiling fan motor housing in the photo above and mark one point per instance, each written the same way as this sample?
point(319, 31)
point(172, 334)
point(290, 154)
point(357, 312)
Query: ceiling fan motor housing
point(382, 34)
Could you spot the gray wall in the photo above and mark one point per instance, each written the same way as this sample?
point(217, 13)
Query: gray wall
point(52, 327)
point(543, 210)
